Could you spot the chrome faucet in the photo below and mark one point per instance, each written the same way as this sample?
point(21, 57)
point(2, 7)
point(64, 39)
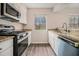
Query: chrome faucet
point(65, 26)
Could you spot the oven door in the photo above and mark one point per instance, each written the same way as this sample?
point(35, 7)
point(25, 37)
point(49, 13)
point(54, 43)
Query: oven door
point(22, 46)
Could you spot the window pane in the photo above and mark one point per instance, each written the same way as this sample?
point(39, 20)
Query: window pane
point(40, 22)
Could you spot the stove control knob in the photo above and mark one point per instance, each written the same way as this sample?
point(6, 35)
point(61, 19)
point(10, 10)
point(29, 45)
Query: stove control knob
point(0, 48)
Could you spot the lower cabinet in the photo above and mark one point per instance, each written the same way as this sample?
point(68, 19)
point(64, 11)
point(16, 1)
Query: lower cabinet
point(6, 48)
point(53, 41)
point(7, 52)
point(29, 38)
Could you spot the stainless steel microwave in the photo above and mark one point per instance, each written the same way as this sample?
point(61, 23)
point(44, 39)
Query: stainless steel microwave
point(8, 12)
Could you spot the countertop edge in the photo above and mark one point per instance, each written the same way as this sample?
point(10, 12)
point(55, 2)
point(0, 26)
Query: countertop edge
point(6, 38)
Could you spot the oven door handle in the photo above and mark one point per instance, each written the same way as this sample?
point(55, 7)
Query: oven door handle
point(22, 39)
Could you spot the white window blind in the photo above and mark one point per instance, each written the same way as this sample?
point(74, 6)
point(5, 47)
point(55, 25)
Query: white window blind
point(40, 22)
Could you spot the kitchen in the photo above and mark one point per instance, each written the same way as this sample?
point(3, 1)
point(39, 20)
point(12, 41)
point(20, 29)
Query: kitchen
point(39, 29)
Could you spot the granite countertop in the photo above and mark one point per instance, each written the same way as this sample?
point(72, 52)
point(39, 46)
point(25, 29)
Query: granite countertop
point(71, 35)
point(27, 30)
point(4, 38)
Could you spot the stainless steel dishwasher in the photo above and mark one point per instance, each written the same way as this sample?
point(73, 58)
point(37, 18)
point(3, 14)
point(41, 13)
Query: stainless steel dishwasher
point(68, 47)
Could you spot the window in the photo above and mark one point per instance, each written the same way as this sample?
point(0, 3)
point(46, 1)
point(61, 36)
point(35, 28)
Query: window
point(74, 21)
point(40, 22)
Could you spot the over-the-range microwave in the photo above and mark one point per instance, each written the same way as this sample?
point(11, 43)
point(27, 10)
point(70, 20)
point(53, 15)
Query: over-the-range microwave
point(7, 12)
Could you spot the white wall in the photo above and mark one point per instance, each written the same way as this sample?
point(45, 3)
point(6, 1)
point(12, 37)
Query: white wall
point(56, 19)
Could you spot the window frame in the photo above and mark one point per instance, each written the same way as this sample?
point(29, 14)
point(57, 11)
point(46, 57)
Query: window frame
point(42, 22)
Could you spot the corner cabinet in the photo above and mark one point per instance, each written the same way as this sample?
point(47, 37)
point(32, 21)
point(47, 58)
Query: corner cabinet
point(23, 11)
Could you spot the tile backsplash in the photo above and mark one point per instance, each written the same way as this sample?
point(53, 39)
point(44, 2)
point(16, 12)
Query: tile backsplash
point(18, 26)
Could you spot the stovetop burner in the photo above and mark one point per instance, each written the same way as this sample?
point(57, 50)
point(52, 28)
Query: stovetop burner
point(9, 31)
point(17, 32)
point(13, 33)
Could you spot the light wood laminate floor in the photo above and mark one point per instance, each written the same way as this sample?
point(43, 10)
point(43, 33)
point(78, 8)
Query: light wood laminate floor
point(40, 50)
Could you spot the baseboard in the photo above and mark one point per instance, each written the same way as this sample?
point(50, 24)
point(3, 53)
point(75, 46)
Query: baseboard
point(40, 43)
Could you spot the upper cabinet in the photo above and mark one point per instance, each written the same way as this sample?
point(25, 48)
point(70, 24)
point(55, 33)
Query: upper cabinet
point(23, 10)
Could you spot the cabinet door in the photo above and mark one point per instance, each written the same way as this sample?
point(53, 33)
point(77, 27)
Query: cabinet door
point(54, 41)
point(6, 47)
point(7, 52)
point(23, 11)
point(6, 44)
point(51, 40)
point(29, 39)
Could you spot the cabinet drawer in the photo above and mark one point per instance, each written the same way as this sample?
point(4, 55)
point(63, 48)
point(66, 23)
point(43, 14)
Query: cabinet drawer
point(6, 44)
point(7, 52)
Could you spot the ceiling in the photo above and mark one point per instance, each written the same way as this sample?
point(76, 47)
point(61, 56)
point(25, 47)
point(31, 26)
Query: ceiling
point(40, 5)
point(51, 5)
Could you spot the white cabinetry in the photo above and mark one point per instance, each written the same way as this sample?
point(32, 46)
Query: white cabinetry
point(23, 10)
point(53, 41)
point(7, 52)
point(6, 48)
point(29, 38)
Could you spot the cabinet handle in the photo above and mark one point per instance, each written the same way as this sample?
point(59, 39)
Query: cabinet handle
point(0, 48)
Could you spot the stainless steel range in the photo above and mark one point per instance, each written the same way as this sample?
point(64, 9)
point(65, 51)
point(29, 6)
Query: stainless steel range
point(20, 41)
